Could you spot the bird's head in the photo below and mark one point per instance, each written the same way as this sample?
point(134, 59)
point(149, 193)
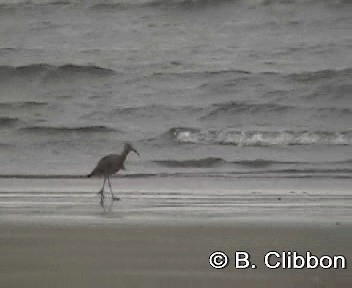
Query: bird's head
point(128, 147)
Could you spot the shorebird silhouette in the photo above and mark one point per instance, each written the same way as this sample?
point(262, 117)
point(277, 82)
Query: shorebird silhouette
point(109, 165)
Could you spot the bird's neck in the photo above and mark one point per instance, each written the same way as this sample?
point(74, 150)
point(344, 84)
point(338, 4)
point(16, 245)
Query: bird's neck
point(124, 154)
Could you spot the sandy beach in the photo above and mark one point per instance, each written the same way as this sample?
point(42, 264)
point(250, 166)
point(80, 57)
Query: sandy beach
point(165, 255)
point(54, 233)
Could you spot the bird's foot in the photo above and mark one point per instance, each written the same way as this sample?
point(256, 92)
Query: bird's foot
point(101, 193)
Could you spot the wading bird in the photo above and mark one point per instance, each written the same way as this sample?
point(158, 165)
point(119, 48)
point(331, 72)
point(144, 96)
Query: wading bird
point(109, 165)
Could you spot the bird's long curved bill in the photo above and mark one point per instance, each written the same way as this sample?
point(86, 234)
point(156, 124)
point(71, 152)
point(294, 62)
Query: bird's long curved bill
point(135, 151)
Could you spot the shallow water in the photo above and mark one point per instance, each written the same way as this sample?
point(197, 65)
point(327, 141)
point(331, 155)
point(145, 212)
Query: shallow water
point(176, 201)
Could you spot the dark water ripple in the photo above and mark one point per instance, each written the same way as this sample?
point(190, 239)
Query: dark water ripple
point(38, 69)
point(81, 129)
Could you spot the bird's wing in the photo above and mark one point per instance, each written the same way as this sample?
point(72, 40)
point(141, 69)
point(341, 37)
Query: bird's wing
point(102, 165)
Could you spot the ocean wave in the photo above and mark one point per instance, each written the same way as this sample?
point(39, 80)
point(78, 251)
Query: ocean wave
point(303, 76)
point(154, 110)
point(335, 110)
point(8, 121)
point(258, 138)
point(243, 107)
point(124, 4)
point(320, 75)
point(195, 163)
point(312, 171)
point(49, 70)
point(296, 2)
point(53, 129)
point(90, 69)
point(4, 4)
point(260, 163)
point(108, 4)
point(211, 162)
point(22, 104)
point(201, 73)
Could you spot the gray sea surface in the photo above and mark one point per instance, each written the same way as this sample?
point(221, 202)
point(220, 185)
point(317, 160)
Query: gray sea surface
point(203, 88)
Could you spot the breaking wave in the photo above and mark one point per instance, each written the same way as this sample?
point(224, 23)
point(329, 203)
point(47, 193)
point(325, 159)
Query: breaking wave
point(259, 138)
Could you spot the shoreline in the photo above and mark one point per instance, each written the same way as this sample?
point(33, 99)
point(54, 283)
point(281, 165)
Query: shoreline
point(170, 200)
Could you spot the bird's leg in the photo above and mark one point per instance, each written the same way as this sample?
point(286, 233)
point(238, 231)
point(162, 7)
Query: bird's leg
point(112, 194)
point(101, 192)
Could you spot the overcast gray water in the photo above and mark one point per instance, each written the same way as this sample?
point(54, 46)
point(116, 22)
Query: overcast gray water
point(203, 87)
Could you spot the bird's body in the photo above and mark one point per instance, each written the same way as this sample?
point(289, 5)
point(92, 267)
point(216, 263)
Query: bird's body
point(109, 165)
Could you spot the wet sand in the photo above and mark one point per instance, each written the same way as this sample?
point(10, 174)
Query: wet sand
point(54, 233)
point(149, 200)
point(165, 255)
